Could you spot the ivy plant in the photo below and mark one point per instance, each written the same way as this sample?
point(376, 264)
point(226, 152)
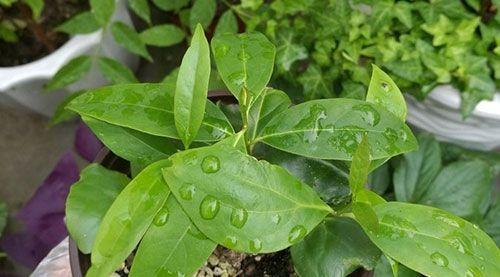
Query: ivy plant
point(198, 183)
point(326, 47)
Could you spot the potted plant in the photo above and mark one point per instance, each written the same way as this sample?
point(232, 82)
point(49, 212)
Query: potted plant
point(22, 80)
point(220, 190)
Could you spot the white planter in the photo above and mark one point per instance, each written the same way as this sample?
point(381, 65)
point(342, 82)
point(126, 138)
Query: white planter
point(23, 84)
point(440, 114)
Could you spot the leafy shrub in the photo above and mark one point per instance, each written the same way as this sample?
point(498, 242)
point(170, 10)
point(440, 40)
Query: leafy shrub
point(184, 203)
point(9, 26)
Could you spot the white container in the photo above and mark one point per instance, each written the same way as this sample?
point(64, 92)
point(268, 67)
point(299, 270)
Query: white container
point(23, 84)
point(440, 114)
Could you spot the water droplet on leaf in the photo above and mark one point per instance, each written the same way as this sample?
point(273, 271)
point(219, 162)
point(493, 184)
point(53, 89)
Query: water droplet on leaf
point(210, 164)
point(209, 207)
point(297, 233)
point(187, 191)
point(161, 218)
point(368, 114)
point(255, 245)
point(276, 219)
point(230, 241)
point(239, 218)
point(439, 259)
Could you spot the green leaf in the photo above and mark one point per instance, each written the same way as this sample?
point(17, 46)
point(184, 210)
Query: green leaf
point(315, 83)
point(147, 108)
point(162, 35)
point(71, 72)
point(360, 166)
point(7, 33)
point(269, 103)
point(333, 128)
point(227, 23)
point(238, 57)
point(402, 11)
point(288, 52)
point(88, 201)
point(171, 78)
point(172, 236)
point(416, 170)
point(383, 91)
point(127, 37)
point(328, 178)
point(491, 224)
point(202, 12)
point(369, 197)
point(103, 10)
point(134, 146)
point(365, 215)
point(461, 188)
point(191, 89)
point(170, 5)
point(36, 7)
point(337, 247)
point(380, 179)
point(61, 114)
point(83, 23)
point(141, 8)
point(115, 72)
point(386, 267)
point(233, 199)
point(128, 219)
point(432, 241)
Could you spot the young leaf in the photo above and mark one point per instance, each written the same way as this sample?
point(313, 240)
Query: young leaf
point(130, 144)
point(170, 5)
point(115, 72)
point(61, 114)
point(202, 12)
point(369, 197)
point(83, 23)
point(238, 56)
point(337, 247)
point(127, 219)
point(191, 89)
point(162, 35)
point(416, 170)
point(233, 198)
point(383, 91)
point(432, 241)
point(36, 7)
point(461, 188)
point(127, 37)
point(227, 23)
point(360, 166)
point(73, 71)
point(88, 201)
point(141, 8)
point(365, 215)
point(147, 108)
point(165, 245)
point(333, 128)
point(269, 103)
point(103, 10)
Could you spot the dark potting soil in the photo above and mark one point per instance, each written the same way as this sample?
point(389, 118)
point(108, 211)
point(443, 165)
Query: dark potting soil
point(38, 38)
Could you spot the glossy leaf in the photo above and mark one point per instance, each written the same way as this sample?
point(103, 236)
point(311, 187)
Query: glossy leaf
point(162, 35)
point(191, 89)
point(83, 23)
point(369, 197)
point(360, 166)
point(233, 198)
point(239, 57)
point(147, 108)
point(163, 250)
point(128, 219)
point(169, 5)
point(103, 10)
point(365, 215)
point(115, 72)
point(141, 8)
point(227, 23)
point(491, 224)
point(130, 144)
point(461, 188)
point(127, 37)
point(336, 247)
point(333, 128)
point(383, 91)
point(433, 242)
point(71, 72)
point(269, 103)
point(416, 170)
point(88, 201)
point(61, 114)
point(328, 178)
point(202, 12)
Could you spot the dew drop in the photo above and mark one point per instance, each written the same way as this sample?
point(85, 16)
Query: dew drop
point(473, 272)
point(297, 233)
point(230, 241)
point(239, 218)
point(445, 218)
point(276, 219)
point(190, 158)
point(244, 56)
point(368, 114)
point(187, 191)
point(255, 245)
point(161, 218)
point(209, 207)
point(460, 242)
point(346, 139)
point(210, 164)
point(439, 259)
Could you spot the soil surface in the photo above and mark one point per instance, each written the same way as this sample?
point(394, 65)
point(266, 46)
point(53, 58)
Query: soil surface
point(37, 38)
